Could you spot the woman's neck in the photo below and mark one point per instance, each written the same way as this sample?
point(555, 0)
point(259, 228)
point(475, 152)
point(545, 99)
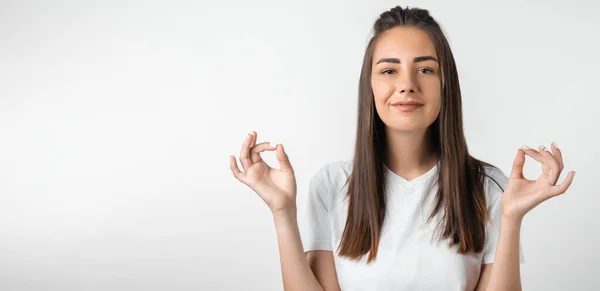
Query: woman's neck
point(409, 154)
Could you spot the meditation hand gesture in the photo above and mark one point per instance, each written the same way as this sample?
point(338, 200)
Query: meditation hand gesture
point(276, 187)
point(522, 195)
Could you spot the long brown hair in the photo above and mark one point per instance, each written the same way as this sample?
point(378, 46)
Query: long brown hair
point(460, 176)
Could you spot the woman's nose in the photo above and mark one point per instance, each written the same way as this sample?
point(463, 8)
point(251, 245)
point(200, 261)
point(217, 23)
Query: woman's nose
point(407, 84)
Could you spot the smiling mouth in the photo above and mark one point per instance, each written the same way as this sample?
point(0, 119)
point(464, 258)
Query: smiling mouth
point(407, 107)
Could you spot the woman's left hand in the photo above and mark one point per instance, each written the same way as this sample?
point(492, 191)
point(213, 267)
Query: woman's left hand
point(522, 195)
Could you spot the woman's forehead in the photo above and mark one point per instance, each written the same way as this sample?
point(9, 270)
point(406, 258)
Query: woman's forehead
point(403, 43)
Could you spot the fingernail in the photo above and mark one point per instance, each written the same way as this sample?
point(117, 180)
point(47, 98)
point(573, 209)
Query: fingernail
point(525, 147)
point(272, 144)
point(542, 147)
point(554, 144)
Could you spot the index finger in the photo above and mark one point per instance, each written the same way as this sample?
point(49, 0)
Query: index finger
point(558, 154)
point(245, 153)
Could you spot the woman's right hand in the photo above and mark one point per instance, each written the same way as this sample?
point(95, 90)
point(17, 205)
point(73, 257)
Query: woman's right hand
point(276, 187)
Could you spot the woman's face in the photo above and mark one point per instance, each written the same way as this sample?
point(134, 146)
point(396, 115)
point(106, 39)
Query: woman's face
point(405, 68)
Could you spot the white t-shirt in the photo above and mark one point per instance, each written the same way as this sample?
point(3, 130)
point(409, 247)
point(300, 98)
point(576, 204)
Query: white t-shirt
point(408, 258)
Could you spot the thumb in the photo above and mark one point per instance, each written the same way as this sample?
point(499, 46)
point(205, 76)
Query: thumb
point(283, 159)
point(518, 163)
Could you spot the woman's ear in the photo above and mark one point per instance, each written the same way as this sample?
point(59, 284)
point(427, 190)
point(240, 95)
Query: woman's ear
point(442, 77)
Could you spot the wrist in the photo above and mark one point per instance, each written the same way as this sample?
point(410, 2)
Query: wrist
point(285, 213)
point(512, 222)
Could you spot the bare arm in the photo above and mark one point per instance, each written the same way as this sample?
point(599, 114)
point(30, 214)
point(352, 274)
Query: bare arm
point(277, 188)
point(522, 195)
point(505, 273)
point(322, 264)
point(295, 269)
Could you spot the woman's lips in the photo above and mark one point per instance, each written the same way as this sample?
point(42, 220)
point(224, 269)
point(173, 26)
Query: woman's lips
point(407, 108)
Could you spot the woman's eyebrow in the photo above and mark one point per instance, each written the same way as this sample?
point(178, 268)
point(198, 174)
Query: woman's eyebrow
point(415, 60)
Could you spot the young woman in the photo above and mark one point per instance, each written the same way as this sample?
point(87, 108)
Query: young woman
point(412, 210)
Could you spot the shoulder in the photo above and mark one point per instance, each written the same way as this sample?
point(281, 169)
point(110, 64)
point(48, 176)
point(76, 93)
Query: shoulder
point(333, 171)
point(330, 179)
point(494, 183)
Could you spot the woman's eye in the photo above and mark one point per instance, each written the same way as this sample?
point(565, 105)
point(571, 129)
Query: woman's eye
point(391, 71)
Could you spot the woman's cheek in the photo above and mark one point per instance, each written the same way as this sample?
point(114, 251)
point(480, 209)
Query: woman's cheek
point(381, 90)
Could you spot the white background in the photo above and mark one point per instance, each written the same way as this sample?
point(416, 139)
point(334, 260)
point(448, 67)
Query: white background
point(117, 119)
